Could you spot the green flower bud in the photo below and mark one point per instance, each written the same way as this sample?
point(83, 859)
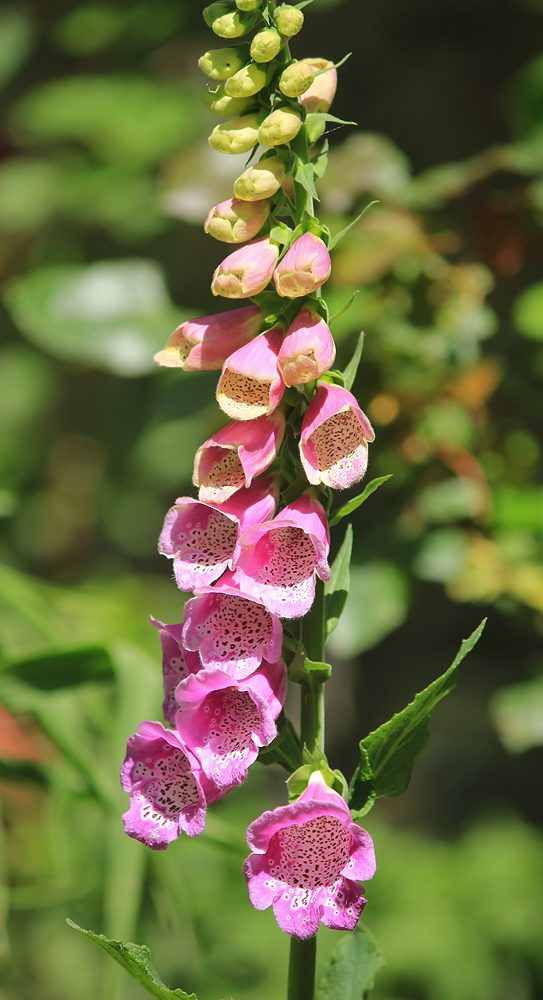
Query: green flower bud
point(248, 4)
point(247, 81)
point(314, 131)
point(265, 45)
point(288, 19)
point(220, 103)
point(296, 79)
point(236, 136)
point(219, 64)
point(228, 23)
point(280, 127)
point(262, 180)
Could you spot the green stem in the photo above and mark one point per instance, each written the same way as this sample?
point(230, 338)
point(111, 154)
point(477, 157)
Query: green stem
point(302, 200)
point(312, 703)
point(301, 970)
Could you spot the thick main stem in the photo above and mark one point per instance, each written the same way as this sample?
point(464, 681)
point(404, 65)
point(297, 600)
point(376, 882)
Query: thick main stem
point(301, 969)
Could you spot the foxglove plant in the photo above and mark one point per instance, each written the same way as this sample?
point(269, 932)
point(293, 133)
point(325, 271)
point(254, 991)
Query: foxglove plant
point(254, 548)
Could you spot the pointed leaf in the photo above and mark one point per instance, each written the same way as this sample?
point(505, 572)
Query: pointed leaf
point(349, 374)
point(304, 175)
point(341, 234)
point(136, 959)
point(337, 588)
point(356, 501)
point(321, 161)
point(323, 116)
point(352, 968)
point(389, 753)
point(345, 309)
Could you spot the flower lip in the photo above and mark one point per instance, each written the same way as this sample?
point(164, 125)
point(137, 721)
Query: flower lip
point(334, 440)
point(304, 268)
point(232, 458)
point(250, 384)
point(246, 271)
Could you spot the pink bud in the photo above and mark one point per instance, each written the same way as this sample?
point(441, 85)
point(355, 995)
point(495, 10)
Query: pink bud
point(251, 385)
point(247, 271)
point(304, 268)
point(334, 439)
point(235, 221)
point(204, 344)
point(308, 349)
point(322, 91)
point(232, 458)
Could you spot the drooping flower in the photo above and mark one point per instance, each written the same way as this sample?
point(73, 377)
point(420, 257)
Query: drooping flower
point(236, 136)
point(235, 455)
point(279, 560)
point(246, 271)
point(262, 180)
point(219, 64)
point(265, 45)
point(334, 438)
point(203, 344)
point(322, 91)
point(308, 350)
point(177, 663)
point(305, 859)
point(202, 538)
point(288, 19)
point(168, 789)
point(304, 268)
point(296, 78)
point(280, 126)
point(248, 80)
point(225, 722)
point(217, 100)
point(234, 220)
point(228, 23)
point(230, 629)
point(251, 384)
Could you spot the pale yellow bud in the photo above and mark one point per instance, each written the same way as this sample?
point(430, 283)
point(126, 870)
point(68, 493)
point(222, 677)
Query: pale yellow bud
point(219, 64)
point(248, 4)
point(288, 19)
point(246, 81)
point(279, 127)
point(265, 45)
point(296, 79)
point(262, 180)
point(220, 103)
point(236, 136)
point(228, 23)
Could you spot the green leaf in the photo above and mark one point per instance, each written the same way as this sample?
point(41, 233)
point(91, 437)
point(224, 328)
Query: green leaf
point(285, 749)
point(64, 669)
point(322, 116)
point(339, 236)
point(356, 501)
point(321, 161)
point(345, 309)
point(389, 753)
point(280, 233)
point(349, 374)
point(302, 670)
point(316, 761)
point(352, 968)
point(304, 175)
point(337, 588)
point(136, 959)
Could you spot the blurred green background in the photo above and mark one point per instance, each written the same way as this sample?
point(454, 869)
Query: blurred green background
point(105, 179)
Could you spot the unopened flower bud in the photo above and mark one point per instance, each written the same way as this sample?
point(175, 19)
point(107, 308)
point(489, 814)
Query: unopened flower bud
point(279, 127)
point(248, 4)
point(247, 271)
point(235, 221)
point(288, 19)
point(219, 64)
point(247, 81)
point(262, 180)
point(228, 23)
point(296, 79)
point(304, 268)
point(236, 136)
point(323, 89)
point(308, 349)
point(265, 45)
point(220, 103)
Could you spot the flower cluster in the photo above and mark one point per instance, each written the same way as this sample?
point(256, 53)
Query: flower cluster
point(249, 555)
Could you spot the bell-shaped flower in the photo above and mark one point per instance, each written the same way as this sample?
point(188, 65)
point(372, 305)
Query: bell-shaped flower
point(308, 350)
point(262, 180)
point(265, 45)
point(247, 82)
point(225, 722)
point(228, 23)
point(231, 630)
point(177, 663)
point(304, 268)
point(247, 271)
point(334, 439)
point(296, 78)
point(202, 539)
point(168, 789)
point(235, 455)
point(304, 862)
point(251, 384)
point(322, 91)
point(204, 344)
point(217, 100)
point(236, 136)
point(234, 221)
point(279, 560)
point(279, 127)
point(219, 64)
point(288, 19)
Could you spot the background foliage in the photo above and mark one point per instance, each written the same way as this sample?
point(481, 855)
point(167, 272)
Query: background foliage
point(105, 179)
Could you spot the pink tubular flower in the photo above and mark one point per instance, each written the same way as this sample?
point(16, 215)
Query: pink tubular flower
point(304, 268)
point(226, 721)
point(304, 862)
point(247, 271)
point(230, 629)
point(322, 91)
point(177, 663)
point(233, 457)
point(334, 438)
point(204, 344)
point(234, 221)
point(279, 560)
point(308, 350)
point(201, 538)
point(251, 385)
point(168, 790)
